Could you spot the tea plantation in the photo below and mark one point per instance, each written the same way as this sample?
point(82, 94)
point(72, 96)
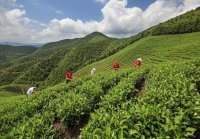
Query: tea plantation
point(161, 101)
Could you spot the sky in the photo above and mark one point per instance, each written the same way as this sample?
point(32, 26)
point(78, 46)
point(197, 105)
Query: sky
point(33, 21)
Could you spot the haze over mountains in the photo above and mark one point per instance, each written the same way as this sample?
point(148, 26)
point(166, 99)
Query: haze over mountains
point(22, 44)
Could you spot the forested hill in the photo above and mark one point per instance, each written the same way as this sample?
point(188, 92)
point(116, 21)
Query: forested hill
point(48, 64)
point(9, 53)
point(93, 37)
point(185, 23)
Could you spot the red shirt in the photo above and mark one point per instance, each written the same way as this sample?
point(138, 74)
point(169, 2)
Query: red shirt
point(68, 75)
point(137, 63)
point(116, 66)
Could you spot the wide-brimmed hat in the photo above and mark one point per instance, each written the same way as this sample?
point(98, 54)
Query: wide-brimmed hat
point(140, 59)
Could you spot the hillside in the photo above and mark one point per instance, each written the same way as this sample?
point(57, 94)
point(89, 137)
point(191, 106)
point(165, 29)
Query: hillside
point(9, 53)
point(152, 50)
point(189, 22)
point(55, 58)
point(185, 23)
point(95, 36)
point(152, 102)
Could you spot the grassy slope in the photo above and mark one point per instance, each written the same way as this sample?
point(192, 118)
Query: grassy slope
point(152, 50)
point(7, 98)
point(11, 94)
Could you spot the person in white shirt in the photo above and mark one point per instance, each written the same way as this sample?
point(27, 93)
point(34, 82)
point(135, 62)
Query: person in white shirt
point(93, 71)
point(31, 90)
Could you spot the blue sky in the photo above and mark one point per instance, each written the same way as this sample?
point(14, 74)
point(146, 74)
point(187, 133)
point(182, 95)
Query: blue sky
point(30, 21)
point(45, 10)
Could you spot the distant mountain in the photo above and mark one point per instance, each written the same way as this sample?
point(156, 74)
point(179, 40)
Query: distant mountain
point(22, 44)
point(37, 44)
point(95, 36)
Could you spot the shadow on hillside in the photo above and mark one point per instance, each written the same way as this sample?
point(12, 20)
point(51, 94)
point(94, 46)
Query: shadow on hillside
point(197, 132)
point(73, 130)
point(139, 86)
point(198, 86)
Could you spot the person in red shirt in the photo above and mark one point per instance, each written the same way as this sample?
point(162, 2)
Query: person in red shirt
point(69, 76)
point(116, 66)
point(138, 62)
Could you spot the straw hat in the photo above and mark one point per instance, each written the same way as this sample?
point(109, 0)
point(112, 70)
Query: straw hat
point(140, 59)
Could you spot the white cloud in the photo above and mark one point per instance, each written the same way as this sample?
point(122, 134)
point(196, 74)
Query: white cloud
point(14, 25)
point(21, 6)
point(55, 10)
point(66, 28)
point(59, 12)
point(14, 15)
point(102, 1)
point(118, 20)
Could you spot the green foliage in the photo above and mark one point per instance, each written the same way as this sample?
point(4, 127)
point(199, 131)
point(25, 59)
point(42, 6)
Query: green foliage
point(9, 53)
point(152, 50)
point(75, 58)
point(40, 71)
point(48, 64)
point(157, 102)
point(57, 100)
point(168, 108)
point(8, 98)
point(8, 75)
